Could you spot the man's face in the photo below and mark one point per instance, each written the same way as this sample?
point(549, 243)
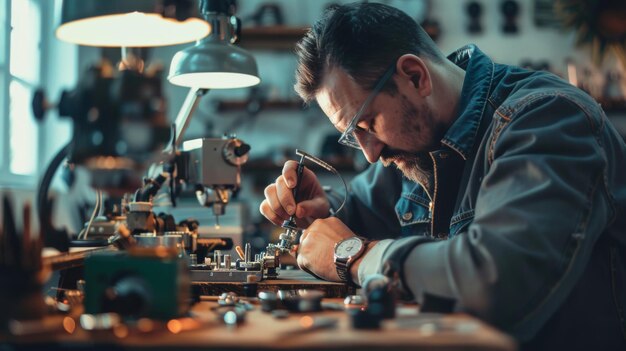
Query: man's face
point(400, 128)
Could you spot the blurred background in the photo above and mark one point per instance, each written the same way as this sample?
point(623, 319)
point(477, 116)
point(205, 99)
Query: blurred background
point(269, 116)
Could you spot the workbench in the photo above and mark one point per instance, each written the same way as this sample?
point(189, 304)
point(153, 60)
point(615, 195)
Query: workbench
point(261, 331)
point(410, 330)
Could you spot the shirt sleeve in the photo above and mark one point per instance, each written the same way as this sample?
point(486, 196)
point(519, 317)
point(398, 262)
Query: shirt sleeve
point(540, 208)
point(370, 264)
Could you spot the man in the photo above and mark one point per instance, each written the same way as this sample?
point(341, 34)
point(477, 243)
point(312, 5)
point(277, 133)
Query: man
point(511, 193)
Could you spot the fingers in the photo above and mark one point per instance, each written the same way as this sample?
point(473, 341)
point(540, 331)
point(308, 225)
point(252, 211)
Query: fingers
point(315, 208)
point(278, 200)
point(268, 213)
point(279, 203)
point(284, 196)
point(290, 176)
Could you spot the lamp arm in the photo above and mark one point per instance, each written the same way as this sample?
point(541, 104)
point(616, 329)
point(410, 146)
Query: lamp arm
point(186, 111)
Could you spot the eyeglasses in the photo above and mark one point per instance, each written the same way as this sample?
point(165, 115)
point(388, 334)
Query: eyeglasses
point(348, 137)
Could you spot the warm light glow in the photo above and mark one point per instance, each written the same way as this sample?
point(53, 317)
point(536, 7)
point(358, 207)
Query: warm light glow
point(120, 331)
point(306, 322)
point(174, 326)
point(145, 325)
point(69, 325)
point(134, 29)
point(215, 80)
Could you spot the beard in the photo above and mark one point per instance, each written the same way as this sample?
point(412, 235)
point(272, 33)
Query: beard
point(416, 167)
point(423, 127)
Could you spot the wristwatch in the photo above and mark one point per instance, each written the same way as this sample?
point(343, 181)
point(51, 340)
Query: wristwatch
point(346, 252)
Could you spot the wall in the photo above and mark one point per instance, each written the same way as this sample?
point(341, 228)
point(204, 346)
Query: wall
point(270, 132)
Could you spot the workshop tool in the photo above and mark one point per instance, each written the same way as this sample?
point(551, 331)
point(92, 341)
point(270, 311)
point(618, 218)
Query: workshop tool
point(250, 268)
point(143, 282)
point(289, 237)
point(380, 296)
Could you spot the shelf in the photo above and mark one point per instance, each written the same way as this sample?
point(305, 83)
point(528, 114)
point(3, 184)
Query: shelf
point(271, 37)
point(242, 105)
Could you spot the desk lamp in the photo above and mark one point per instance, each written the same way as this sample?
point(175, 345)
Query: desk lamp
point(213, 62)
point(119, 122)
point(130, 23)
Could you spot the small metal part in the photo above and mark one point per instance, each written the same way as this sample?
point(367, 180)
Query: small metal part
point(217, 257)
point(380, 297)
point(302, 300)
point(228, 299)
point(227, 262)
point(232, 315)
point(269, 301)
point(248, 253)
point(354, 300)
point(362, 319)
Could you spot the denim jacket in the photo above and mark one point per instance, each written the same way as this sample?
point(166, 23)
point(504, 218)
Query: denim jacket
point(526, 224)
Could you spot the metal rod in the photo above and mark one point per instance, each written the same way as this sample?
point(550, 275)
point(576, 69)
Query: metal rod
point(186, 111)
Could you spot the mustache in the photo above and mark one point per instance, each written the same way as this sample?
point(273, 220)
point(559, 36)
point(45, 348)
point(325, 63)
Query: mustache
point(387, 156)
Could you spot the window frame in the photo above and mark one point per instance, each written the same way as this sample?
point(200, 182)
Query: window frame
point(7, 177)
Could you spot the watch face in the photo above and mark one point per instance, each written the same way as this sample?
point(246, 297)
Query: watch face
point(348, 247)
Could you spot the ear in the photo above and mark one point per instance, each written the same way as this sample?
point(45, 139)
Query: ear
point(414, 72)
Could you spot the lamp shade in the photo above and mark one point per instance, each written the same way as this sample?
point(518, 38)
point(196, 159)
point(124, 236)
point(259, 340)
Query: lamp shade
point(124, 23)
point(214, 64)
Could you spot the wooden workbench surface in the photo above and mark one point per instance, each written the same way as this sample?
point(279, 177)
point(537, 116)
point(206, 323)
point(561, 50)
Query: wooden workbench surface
point(261, 331)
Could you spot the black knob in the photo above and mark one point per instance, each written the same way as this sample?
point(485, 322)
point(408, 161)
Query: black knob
point(242, 149)
point(39, 104)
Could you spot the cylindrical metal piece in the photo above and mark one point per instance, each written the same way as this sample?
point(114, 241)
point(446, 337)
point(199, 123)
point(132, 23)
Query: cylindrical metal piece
point(227, 261)
point(148, 240)
point(248, 252)
point(174, 241)
point(217, 257)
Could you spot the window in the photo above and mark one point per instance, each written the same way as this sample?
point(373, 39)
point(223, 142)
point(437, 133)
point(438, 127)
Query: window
point(20, 72)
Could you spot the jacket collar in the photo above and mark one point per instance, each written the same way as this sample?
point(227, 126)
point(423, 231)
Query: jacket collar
point(479, 77)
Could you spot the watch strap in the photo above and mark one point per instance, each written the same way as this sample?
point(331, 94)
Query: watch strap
point(343, 265)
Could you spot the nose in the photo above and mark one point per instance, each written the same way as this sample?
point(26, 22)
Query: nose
point(371, 147)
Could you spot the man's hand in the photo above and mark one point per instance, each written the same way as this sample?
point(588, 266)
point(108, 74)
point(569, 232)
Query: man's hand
point(279, 203)
point(317, 244)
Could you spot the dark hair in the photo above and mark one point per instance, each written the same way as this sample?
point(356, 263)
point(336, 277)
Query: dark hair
point(363, 39)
